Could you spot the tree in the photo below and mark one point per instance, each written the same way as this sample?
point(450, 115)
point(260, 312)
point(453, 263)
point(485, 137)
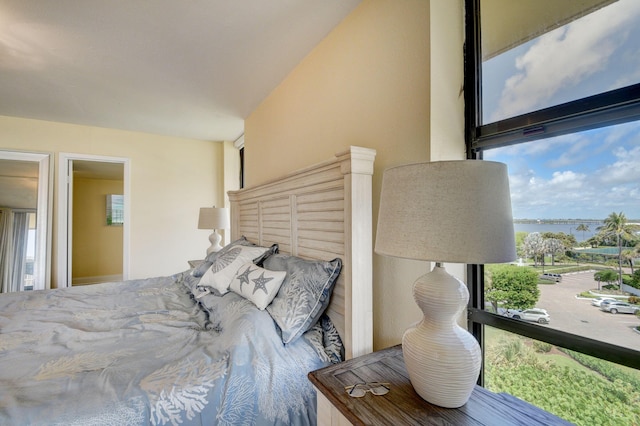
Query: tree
point(520, 236)
point(628, 256)
point(516, 287)
point(616, 225)
point(553, 246)
point(606, 275)
point(584, 228)
point(533, 247)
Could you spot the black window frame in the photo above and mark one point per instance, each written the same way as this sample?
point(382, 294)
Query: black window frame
point(601, 110)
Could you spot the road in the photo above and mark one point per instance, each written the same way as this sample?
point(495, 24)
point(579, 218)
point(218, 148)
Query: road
point(577, 316)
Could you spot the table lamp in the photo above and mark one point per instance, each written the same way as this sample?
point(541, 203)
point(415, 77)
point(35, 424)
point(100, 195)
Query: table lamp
point(214, 218)
point(446, 211)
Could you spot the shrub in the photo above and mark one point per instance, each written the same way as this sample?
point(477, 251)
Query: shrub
point(634, 300)
point(542, 347)
point(610, 287)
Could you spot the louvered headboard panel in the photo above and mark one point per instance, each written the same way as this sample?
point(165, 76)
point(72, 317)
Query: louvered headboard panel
point(321, 212)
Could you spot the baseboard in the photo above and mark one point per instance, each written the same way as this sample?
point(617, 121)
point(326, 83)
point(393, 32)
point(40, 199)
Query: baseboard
point(96, 279)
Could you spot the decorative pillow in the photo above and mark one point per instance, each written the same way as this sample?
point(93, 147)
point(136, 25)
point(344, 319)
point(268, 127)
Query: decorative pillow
point(242, 241)
point(325, 339)
point(257, 284)
point(218, 277)
point(304, 294)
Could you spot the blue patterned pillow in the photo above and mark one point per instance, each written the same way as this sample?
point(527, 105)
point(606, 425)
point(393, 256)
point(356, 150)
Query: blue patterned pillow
point(304, 294)
point(325, 339)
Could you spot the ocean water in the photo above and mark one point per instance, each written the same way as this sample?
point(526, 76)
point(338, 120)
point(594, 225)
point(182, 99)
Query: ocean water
point(558, 227)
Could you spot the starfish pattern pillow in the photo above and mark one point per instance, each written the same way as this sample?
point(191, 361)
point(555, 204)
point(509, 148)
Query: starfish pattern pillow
point(219, 275)
point(257, 284)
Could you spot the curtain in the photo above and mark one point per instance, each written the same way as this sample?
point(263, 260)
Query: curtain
point(20, 231)
point(6, 237)
point(14, 228)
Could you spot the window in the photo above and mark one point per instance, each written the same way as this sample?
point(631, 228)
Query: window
point(553, 91)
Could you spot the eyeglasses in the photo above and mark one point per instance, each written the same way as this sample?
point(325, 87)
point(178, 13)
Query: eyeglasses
point(360, 389)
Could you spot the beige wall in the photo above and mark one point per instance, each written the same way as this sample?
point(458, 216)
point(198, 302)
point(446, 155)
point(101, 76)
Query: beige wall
point(97, 247)
point(389, 77)
point(171, 178)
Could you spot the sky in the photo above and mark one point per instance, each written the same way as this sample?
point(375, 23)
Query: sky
point(587, 175)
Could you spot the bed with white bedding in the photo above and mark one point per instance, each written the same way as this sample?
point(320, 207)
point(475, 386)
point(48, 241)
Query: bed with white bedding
point(230, 342)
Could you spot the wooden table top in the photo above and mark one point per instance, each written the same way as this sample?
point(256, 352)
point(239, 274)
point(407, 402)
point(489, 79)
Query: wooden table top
point(403, 406)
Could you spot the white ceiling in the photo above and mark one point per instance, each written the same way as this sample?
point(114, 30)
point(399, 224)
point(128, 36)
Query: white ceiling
point(187, 68)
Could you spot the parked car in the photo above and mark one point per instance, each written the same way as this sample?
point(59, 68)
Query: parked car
point(538, 315)
point(606, 302)
point(552, 277)
point(599, 300)
point(621, 307)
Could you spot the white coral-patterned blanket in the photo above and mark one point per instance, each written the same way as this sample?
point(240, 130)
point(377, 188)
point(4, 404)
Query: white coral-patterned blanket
point(146, 352)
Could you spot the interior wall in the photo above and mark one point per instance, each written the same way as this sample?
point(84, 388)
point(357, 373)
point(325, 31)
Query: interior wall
point(377, 81)
point(171, 178)
point(97, 247)
point(231, 179)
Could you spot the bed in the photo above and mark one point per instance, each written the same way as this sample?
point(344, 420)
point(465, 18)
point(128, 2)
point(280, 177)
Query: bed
point(186, 349)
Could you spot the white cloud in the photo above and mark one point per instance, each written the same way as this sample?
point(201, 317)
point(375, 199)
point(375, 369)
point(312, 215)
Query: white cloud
point(577, 150)
point(567, 193)
point(566, 180)
point(626, 169)
point(564, 57)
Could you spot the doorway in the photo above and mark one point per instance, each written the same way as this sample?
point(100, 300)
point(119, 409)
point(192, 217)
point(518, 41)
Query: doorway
point(94, 215)
point(25, 218)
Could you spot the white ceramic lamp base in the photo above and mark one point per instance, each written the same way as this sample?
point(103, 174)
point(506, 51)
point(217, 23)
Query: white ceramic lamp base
point(443, 359)
point(214, 239)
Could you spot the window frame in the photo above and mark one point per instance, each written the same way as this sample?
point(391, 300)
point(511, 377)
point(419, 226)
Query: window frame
point(601, 110)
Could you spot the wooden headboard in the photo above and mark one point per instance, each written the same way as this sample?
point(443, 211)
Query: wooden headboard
point(321, 212)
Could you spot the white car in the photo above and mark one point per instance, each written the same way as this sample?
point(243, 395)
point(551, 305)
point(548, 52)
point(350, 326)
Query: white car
point(538, 315)
point(598, 300)
point(622, 307)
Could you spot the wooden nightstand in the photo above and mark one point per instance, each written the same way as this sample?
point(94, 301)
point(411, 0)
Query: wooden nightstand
point(195, 263)
point(403, 406)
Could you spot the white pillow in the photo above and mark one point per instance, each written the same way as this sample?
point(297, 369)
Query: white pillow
point(257, 284)
point(218, 277)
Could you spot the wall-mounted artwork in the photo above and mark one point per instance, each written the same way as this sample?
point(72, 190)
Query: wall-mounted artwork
point(115, 210)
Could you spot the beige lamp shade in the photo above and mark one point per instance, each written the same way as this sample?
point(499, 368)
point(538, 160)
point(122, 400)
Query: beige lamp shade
point(447, 211)
point(450, 211)
point(213, 218)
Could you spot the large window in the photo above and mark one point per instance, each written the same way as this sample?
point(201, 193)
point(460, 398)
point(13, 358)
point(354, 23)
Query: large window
point(552, 89)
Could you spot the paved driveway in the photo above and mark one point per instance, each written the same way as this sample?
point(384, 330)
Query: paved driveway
point(577, 316)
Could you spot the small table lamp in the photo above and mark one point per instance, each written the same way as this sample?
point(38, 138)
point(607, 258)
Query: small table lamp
point(214, 218)
point(448, 211)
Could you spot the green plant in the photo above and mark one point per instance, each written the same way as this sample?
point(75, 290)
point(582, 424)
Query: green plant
point(542, 347)
point(607, 398)
point(512, 286)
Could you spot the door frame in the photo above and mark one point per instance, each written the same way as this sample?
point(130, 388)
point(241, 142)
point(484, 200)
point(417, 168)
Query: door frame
point(65, 213)
point(42, 268)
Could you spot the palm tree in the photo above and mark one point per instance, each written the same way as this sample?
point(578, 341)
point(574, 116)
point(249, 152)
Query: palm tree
point(630, 254)
point(616, 224)
point(606, 275)
point(584, 228)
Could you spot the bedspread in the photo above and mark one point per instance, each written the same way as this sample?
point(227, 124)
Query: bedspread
point(146, 352)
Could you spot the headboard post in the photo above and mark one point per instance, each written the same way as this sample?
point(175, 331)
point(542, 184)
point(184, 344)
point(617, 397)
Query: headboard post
point(322, 212)
point(357, 168)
